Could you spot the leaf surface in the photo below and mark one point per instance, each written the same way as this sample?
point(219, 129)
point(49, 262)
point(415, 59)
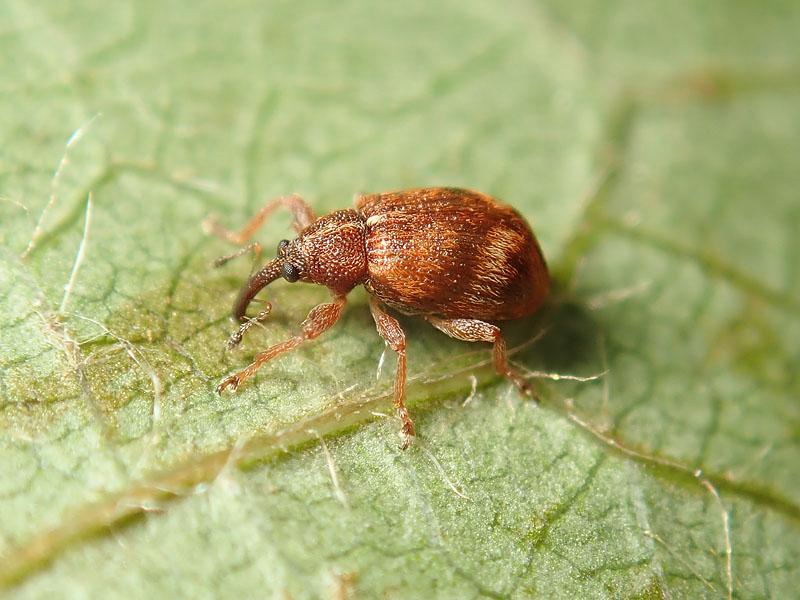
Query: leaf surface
point(653, 149)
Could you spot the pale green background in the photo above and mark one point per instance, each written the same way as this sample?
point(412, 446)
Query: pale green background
point(654, 148)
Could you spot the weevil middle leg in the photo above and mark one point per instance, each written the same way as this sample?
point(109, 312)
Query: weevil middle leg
point(390, 330)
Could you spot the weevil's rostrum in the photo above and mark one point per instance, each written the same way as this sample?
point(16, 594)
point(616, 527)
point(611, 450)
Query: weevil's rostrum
point(459, 258)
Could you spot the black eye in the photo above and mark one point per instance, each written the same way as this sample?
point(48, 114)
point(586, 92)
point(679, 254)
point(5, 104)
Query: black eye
point(289, 272)
point(282, 245)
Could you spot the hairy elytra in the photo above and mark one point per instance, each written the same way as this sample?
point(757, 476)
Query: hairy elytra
point(459, 258)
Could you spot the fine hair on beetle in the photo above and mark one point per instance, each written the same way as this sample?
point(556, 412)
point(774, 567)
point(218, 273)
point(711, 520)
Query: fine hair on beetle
point(460, 259)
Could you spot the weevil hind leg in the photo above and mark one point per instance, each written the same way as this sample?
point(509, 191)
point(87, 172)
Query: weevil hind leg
point(389, 329)
point(302, 217)
point(475, 330)
point(319, 320)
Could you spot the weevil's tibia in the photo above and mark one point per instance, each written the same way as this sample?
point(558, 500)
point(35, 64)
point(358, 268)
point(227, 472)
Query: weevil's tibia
point(319, 320)
point(390, 330)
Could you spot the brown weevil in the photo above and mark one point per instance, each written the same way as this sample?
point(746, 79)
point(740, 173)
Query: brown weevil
point(458, 258)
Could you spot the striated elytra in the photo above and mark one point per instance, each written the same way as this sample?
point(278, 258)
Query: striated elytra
point(457, 257)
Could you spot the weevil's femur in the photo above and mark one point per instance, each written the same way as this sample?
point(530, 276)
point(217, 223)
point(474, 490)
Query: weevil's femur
point(255, 284)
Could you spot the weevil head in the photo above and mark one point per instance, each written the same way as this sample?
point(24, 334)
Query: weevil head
point(289, 264)
point(330, 252)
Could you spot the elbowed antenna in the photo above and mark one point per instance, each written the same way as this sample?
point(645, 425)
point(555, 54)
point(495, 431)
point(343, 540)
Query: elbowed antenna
point(254, 285)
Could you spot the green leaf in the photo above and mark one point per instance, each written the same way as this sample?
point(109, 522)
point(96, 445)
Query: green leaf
point(653, 148)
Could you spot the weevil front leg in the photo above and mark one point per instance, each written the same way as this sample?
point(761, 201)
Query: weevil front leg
point(475, 330)
point(319, 320)
point(389, 329)
point(302, 217)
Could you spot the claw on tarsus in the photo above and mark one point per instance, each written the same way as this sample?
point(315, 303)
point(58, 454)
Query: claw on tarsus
point(232, 382)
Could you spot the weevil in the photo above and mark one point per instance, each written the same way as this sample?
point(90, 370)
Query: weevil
point(459, 258)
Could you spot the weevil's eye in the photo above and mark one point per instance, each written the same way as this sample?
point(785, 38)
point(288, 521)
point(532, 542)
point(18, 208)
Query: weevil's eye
point(282, 246)
point(290, 272)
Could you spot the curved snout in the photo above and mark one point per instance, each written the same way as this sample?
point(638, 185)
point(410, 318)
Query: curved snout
point(254, 285)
